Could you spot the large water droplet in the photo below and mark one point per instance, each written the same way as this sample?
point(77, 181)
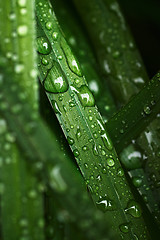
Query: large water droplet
point(72, 62)
point(105, 204)
point(43, 45)
point(56, 81)
point(85, 96)
point(134, 209)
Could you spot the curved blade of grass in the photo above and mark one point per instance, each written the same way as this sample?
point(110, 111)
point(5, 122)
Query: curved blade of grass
point(21, 201)
point(80, 45)
point(115, 47)
point(82, 123)
point(41, 149)
point(134, 117)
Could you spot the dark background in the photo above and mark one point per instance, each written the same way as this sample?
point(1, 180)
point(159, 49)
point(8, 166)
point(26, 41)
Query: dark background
point(143, 17)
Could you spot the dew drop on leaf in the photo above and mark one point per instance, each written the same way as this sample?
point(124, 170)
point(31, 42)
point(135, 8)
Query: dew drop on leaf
point(55, 36)
point(55, 81)
point(105, 204)
point(124, 227)
point(43, 45)
point(134, 209)
point(55, 107)
point(76, 153)
point(85, 96)
point(70, 140)
point(49, 25)
point(137, 181)
point(147, 109)
point(110, 162)
point(72, 62)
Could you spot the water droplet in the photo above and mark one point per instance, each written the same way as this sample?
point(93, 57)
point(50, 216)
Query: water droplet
point(86, 165)
point(45, 61)
point(49, 25)
point(84, 148)
point(104, 136)
point(43, 45)
point(22, 30)
point(134, 209)
point(60, 57)
point(103, 152)
point(72, 63)
point(124, 227)
point(78, 133)
point(85, 96)
point(55, 107)
point(107, 141)
point(90, 118)
point(137, 181)
point(147, 109)
point(70, 140)
point(95, 151)
point(55, 36)
point(104, 170)
point(110, 162)
point(76, 153)
point(105, 204)
point(56, 81)
point(71, 104)
point(120, 172)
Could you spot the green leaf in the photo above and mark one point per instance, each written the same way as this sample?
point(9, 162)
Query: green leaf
point(21, 195)
point(82, 123)
point(116, 51)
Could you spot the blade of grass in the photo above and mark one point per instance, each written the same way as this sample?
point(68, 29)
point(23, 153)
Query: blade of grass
point(79, 43)
point(80, 119)
point(126, 74)
point(22, 217)
point(135, 116)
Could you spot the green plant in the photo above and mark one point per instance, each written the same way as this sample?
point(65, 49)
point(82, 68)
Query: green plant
point(73, 184)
